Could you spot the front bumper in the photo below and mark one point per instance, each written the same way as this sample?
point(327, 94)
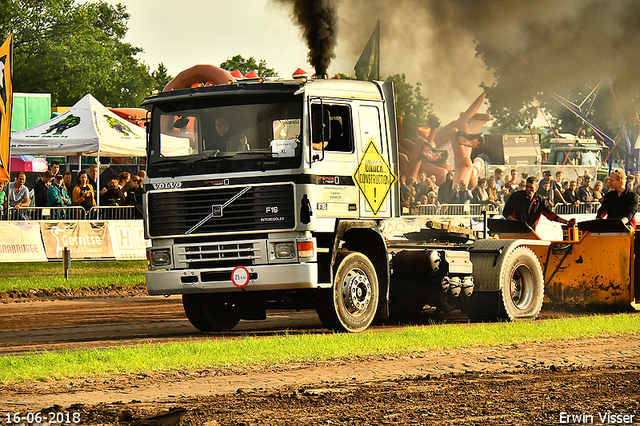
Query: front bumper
point(262, 278)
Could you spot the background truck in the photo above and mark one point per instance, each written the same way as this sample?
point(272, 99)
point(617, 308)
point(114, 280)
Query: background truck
point(509, 149)
point(283, 194)
point(566, 153)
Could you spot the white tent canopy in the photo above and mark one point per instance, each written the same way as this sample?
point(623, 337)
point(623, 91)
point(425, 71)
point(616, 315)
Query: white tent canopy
point(87, 128)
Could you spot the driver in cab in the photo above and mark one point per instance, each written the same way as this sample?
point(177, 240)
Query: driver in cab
point(222, 140)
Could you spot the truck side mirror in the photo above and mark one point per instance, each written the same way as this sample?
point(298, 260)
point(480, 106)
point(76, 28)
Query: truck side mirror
point(321, 126)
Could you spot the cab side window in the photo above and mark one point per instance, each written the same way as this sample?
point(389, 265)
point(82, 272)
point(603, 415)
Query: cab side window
point(340, 127)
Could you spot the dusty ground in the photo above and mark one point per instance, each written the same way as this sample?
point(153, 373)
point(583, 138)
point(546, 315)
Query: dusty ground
point(528, 384)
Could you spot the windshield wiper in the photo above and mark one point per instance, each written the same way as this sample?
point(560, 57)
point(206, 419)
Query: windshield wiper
point(215, 155)
point(268, 154)
point(168, 160)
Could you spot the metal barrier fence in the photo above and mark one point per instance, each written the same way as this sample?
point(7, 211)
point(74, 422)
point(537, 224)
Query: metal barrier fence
point(72, 213)
point(477, 209)
point(583, 208)
point(458, 209)
point(112, 213)
point(129, 212)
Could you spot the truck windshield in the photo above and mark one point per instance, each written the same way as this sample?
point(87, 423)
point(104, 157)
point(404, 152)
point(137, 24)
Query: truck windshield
point(578, 157)
point(208, 130)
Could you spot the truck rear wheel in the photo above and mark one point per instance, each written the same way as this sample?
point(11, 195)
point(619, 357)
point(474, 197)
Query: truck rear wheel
point(522, 286)
point(351, 304)
point(211, 312)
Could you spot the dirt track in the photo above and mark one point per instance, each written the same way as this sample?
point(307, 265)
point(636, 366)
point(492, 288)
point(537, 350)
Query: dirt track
point(528, 384)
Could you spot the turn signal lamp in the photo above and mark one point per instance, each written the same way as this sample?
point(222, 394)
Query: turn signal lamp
point(305, 248)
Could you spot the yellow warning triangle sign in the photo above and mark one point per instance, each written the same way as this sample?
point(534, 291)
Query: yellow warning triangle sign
point(374, 177)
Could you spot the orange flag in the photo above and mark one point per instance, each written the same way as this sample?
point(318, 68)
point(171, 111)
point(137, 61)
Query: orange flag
point(6, 101)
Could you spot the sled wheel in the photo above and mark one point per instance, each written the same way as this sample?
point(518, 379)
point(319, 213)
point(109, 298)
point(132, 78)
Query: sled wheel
point(522, 286)
point(351, 304)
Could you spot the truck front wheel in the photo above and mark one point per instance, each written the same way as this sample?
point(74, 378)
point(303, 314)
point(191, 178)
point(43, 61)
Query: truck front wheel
point(351, 304)
point(211, 312)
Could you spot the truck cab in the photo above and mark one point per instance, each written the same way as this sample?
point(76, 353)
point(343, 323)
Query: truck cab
point(256, 188)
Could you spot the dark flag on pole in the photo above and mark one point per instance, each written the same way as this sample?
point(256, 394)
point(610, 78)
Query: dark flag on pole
point(6, 100)
point(368, 65)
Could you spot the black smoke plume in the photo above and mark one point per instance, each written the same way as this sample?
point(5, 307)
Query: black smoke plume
point(524, 46)
point(318, 21)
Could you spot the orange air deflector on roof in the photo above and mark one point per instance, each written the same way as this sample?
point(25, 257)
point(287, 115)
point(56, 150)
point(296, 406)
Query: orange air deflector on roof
point(199, 74)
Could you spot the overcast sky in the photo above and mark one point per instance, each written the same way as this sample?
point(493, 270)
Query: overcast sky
point(185, 33)
point(181, 34)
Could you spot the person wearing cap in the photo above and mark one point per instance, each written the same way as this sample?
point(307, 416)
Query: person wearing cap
point(619, 202)
point(553, 193)
point(528, 206)
point(57, 196)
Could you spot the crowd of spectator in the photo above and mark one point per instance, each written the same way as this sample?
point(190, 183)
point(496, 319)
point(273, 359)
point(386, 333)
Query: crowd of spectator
point(493, 191)
point(57, 189)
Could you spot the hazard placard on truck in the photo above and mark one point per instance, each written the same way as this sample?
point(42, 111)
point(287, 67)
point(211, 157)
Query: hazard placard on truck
point(374, 177)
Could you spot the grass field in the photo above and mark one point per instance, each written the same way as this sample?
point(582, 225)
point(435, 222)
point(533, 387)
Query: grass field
point(202, 354)
point(50, 275)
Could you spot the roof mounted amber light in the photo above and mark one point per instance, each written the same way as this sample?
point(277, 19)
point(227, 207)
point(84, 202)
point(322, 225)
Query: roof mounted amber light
point(229, 82)
point(261, 80)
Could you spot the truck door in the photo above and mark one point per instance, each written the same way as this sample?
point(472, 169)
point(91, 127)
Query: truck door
point(374, 177)
point(336, 193)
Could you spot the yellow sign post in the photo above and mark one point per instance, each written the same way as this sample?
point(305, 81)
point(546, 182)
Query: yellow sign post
point(374, 177)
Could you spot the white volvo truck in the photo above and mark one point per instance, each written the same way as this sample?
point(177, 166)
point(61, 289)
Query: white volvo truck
point(283, 194)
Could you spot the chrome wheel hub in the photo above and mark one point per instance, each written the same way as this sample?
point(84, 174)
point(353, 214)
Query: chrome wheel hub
point(356, 292)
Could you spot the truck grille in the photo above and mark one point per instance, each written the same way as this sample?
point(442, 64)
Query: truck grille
point(222, 255)
point(203, 211)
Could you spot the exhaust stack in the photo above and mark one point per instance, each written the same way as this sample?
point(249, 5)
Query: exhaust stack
point(321, 74)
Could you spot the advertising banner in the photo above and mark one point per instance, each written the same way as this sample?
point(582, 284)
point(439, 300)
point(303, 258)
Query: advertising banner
point(85, 240)
point(6, 102)
point(21, 242)
point(127, 239)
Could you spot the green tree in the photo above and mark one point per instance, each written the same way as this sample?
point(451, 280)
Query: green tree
point(345, 77)
point(247, 65)
point(70, 49)
point(161, 77)
point(410, 105)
